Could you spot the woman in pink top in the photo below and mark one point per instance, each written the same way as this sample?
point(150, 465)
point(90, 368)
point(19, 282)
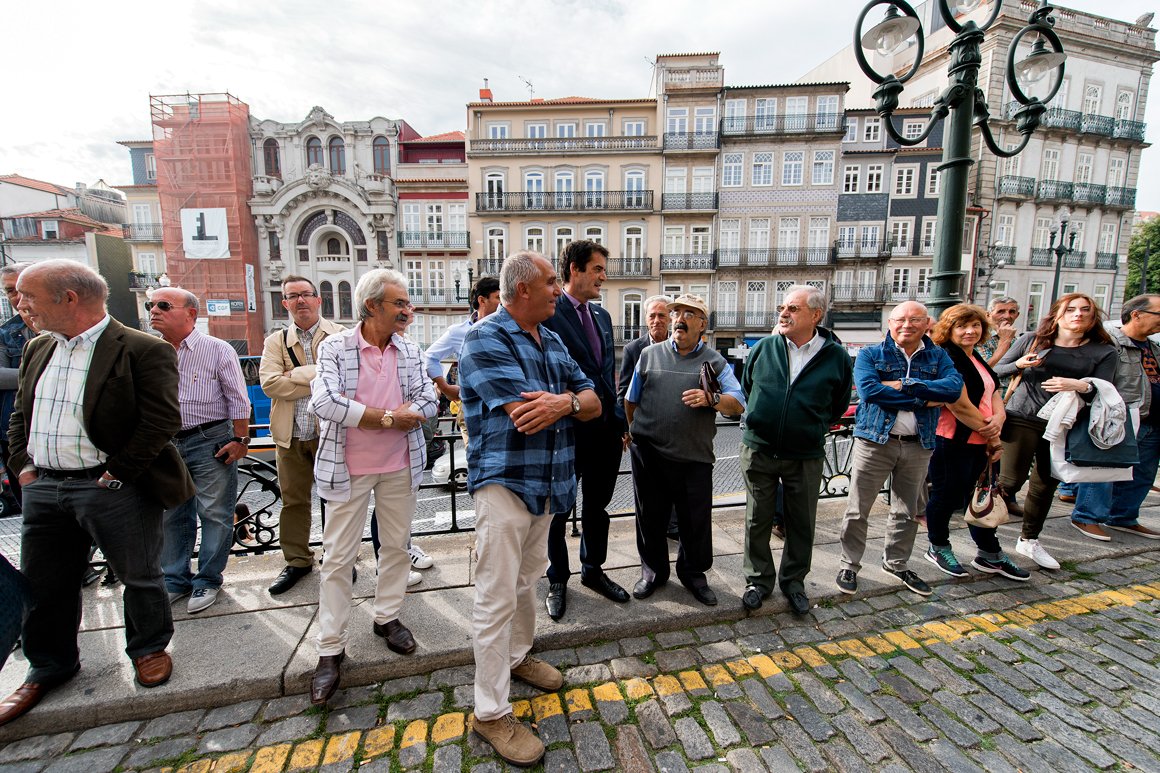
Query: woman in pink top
point(966, 441)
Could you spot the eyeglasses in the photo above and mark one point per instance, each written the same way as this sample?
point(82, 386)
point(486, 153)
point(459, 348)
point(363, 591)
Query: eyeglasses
point(296, 296)
point(791, 308)
point(685, 313)
point(11, 290)
point(911, 320)
point(163, 305)
point(1147, 311)
point(400, 304)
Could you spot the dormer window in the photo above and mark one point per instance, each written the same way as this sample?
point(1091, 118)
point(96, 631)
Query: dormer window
point(49, 229)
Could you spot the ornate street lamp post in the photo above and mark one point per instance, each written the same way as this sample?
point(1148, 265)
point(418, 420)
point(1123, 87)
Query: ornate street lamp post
point(1061, 249)
point(991, 262)
point(962, 105)
point(461, 298)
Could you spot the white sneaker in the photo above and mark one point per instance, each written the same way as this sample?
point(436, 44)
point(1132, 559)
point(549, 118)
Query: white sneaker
point(1036, 552)
point(414, 578)
point(419, 559)
point(202, 598)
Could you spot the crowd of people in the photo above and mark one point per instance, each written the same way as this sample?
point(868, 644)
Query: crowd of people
point(131, 442)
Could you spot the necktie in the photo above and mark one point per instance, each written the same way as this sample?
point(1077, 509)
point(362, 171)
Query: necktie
point(589, 326)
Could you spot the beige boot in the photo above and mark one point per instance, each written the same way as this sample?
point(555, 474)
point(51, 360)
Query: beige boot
point(511, 739)
point(543, 676)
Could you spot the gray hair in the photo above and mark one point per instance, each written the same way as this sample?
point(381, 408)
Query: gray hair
point(656, 299)
point(1003, 300)
point(372, 287)
point(13, 269)
point(191, 300)
point(815, 298)
point(62, 275)
point(1139, 303)
point(517, 267)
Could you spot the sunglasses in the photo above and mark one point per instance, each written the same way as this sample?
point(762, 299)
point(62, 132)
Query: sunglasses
point(163, 305)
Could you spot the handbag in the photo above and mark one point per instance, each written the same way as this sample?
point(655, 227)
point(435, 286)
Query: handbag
point(985, 509)
point(1082, 452)
point(709, 381)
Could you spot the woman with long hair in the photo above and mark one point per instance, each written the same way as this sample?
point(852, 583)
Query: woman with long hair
point(966, 443)
point(1069, 345)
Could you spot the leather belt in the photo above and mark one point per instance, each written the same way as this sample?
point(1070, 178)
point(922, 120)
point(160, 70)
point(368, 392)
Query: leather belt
point(906, 438)
point(199, 428)
point(92, 473)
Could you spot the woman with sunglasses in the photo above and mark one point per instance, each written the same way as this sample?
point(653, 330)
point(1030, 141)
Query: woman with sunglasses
point(966, 443)
point(1069, 345)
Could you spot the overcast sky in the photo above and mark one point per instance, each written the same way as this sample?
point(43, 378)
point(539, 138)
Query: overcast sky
point(86, 73)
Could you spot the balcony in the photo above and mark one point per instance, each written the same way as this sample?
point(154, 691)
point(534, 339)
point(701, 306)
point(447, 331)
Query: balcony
point(629, 267)
point(143, 281)
point(539, 145)
point(1042, 256)
point(898, 294)
point(266, 185)
point(1120, 198)
point(694, 78)
point(1128, 130)
point(623, 334)
point(566, 201)
point(141, 232)
point(434, 240)
point(1075, 259)
point(333, 262)
point(490, 266)
point(692, 141)
point(1107, 260)
point(743, 320)
point(436, 296)
point(1058, 118)
point(860, 293)
point(1054, 190)
point(1097, 124)
point(773, 125)
point(1005, 254)
point(699, 261)
point(1087, 193)
point(861, 250)
point(1010, 186)
point(704, 202)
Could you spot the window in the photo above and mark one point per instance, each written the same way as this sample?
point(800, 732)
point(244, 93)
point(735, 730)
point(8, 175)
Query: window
point(345, 308)
point(900, 237)
point(272, 165)
point(1042, 236)
point(818, 239)
point(1083, 168)
point(1035, 291)
point(901, 281)
point(968, 246)
point(923, 283)
point(796, 109)
point(759, 233)
point(871, 238)
point(594, 190)
point(789, 235)
point(727, 298)
point(567, 130)
point(1013, 165)
point(594, 233)
point(537, 131)
point(313, 151)
point(755, 303)
point(1102, 295)
point(672, 291)
point(274, 244)
point(151, 168)
point(411, 214)
point(277, 310)
point(1108, 237)
point(595, 128)
point(927, 245)
point(764, 114)
point(762, 169)
point(634, 188)
point(497, 131)
point(850, 178)
point(1005, 230)
point(705, 120)
point(678, 120)
point(494, 185)
point(1115, 172)
point(851, 134)
point(147, 261)
point(999, 289)
point(435, 218)
point(904, 180)
point(1050, 169)
point(674, 240)
point(337, 150)
point(874, 178)
point(792, 162)
point(633, 250)
point(933, 182)
point(731, 169)
point(1092, 95)
point(827, 115)
point(703, 179)
point(564, 236)
point(534, 190)
point(326, 290)
point(496, 244)
point(49, 229)
point(335, 246)
point(676, 180)
point(872, 130)
point(734, 115)
point(1060, 99)
point(630, 314)
point(534, 238)
point(730, 237)
point(1077, 227)
point(823, 170)
point(457, 218)
point(634, 128)
point(565, 186)
point(1125, 104)
point(381, 152)
point(847, 239)
point(700, 240)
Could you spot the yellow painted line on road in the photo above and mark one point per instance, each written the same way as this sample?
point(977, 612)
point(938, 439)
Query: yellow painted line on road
point(831, 648)
point(1016, 617)
point(637, 688)
point(609, 691)
point(522, 710)
point(716, 675)
point(271, 759)
point(414, 733)
point(666, 685)
point(810, 657)
point(786, 659)
point(1052, 609)
point(544, 706)
point(879, 645)
point(448, 727)
point(376, 742)
point(739, 668)
point(764, 665)
point(1034, 611)
point(1148, 590)
point(200, 766)
point(1071, 607)
point(306, 755)
point(692, 681)
point(340, 748)
point(983, 624)
point(943, 631)
point(962, 627)
point(577, 700)
point(234, 761)
point(901, 640)
point(856, 649)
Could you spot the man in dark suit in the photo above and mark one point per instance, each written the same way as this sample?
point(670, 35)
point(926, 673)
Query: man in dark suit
point(95, 410)
point(587, 332)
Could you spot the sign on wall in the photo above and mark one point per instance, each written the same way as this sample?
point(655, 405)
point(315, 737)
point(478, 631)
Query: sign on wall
point(205, 233)
point(217, 308)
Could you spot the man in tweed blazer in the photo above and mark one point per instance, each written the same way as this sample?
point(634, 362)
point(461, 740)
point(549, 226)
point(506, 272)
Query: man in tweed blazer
point(371, 396)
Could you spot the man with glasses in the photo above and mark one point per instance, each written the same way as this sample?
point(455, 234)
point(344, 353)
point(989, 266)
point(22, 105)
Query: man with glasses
point(798, 384)
point(14, 334)
point(288, 367)
point(902, 382)
point(214, 435)
point(671, 424)
point(371, 397)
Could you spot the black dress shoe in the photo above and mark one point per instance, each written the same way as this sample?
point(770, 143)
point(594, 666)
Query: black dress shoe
point(557, 601)
point(398, 636)
point(752, 597)
point(324, 683)
point(702, 593)
point(288, 579)
point(604, 585)
point(645, 588)
point(798, 601)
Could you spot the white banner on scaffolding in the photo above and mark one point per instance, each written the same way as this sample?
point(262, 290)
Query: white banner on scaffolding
point(205, 233)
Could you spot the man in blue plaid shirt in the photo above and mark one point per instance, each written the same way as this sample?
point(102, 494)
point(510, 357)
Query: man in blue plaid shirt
point(521, 393)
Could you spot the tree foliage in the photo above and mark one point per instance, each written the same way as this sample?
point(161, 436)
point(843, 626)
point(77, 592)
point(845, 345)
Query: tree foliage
point(1145, 241)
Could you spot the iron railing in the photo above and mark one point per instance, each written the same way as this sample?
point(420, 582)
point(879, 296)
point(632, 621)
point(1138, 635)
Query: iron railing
point(623, 334)
point(861, 249)
point(762, 257)
point(1088, 193)
point(1053, 190)
point(1005, 254)
point(439, 296)
point(141, 232)
point(699, 201)
point(143, 281)
point(1097, 124)
point(1011, 185)
point(1075, 259)
point(857, 293)
point(565, 201)
point(629, 267)
point(1058, 118)
point(701, 261)
point(437, 240)
point(1107, 260)
point(1121, 198)
point(692, 141)
point(563, 144)
point(909, 293)
point(794, 123)
point(1042, 256)
point(1129, 130)
point(490, 266)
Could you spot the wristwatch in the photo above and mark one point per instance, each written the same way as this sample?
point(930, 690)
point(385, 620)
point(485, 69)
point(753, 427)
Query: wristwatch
point(716, 399)
point(388, 420)
point(243, 440)
point(111, 483)
point(575, 404)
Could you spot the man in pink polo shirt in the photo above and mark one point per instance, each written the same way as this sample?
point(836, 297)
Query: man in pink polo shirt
point(371, 396)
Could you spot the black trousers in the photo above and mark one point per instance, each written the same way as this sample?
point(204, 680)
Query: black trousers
point(663, 484)
point(62, 519)
point(598, 451)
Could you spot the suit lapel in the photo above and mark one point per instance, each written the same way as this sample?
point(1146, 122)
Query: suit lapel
point(104, 355)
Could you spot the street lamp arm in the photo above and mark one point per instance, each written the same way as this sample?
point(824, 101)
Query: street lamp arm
point(989, 139)
point(937, 113)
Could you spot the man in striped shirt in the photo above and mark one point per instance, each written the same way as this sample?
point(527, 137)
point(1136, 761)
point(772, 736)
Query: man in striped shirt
point(215, 417)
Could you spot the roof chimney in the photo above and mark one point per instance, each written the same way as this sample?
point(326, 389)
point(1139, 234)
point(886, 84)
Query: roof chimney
point(485, 92)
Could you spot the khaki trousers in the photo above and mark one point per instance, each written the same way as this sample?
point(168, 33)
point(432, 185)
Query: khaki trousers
point(907, 461)
point(295, 478)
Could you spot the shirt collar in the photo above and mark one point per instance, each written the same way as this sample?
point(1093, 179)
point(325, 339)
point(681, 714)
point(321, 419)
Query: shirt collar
point(309, 332)
point(696, 348)
point(364, 344)
point(576, 304)
point(85, 340)
point(807, 346)
point(192, 340)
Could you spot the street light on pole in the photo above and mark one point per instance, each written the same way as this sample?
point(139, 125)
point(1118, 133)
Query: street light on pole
point(1060, 249)
point(458, 297)
point(991, 262)
point(962, 105)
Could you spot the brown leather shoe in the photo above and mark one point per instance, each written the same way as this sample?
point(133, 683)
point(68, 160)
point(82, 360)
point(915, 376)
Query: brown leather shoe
point(399, 638)
point(153, 669)
point(325, 680)
point(18, 703)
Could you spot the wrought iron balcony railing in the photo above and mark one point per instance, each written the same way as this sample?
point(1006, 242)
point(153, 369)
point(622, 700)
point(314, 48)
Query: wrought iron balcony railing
point(743, 320)
point(861, 249)
point(1097, 124)
point(1053, 190)
point(764, 257)
point(699, 261)
point(692, 141)
point(1042, 256)
point(1128, 130)
point(1005, 254)
point(1058, 118)
point(623, 334)
point(565, 201)
point(1075, 259)
point(1107, 260)
point(489, 266)
point(1010, 185)
point(1088, 193)
point(141, 232)
point(143, 281)
point(629, 267)
point(698, 201)
point(434, 240)
point(563, 145)
point(435, 296)
point(858, 293)
point(909, 293)
point(1121, 198)
point(796, 123)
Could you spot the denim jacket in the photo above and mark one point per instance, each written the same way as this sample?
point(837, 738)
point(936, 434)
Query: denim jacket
point(14, 334)
point(932, 377)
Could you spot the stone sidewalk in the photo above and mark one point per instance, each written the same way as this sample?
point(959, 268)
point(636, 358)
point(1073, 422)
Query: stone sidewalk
point(1056, 675)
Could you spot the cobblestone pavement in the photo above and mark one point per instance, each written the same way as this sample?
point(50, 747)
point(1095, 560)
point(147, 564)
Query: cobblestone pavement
point(989, 675)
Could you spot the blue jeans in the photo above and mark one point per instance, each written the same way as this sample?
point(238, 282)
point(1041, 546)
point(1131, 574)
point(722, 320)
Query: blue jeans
point(1118, 504)
point(212, 505)
point(1067, 489)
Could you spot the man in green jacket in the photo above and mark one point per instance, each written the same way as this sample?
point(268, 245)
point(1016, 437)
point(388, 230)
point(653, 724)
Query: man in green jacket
point(797, 382)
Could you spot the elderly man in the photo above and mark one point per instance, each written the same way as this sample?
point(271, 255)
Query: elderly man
point(14, 334)
point(95, 411)
point(1102, 506)
point(798, 384)
point(586, 330)
point(371, 397)
point(671, 421)
point(215, 434)
point(287, 370)
point(902, 382)
point(656, 320)
point(484, 300)
point(1003, 313)
point(521, 395)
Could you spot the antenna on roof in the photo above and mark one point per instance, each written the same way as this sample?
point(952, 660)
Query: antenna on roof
point(652, 80)
point(531, 88)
